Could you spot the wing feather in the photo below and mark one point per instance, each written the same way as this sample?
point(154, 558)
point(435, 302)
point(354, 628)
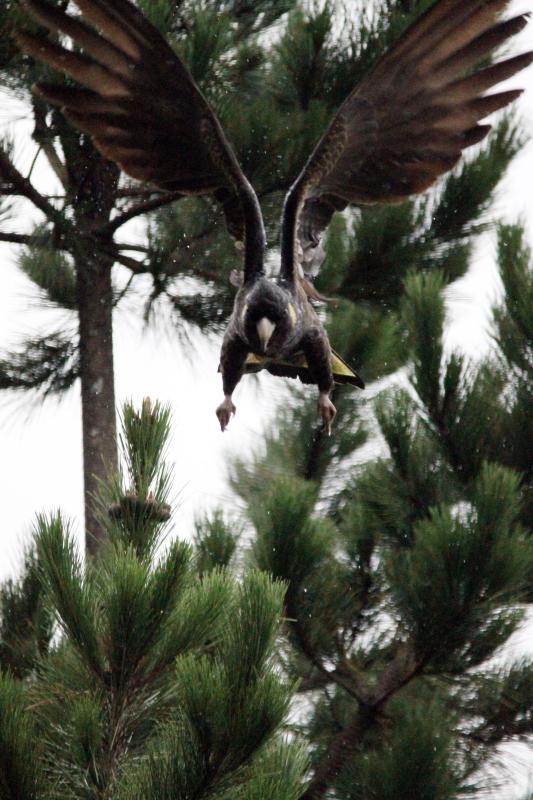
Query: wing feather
point(405, 124)
point(143, 110)
point(96, 46)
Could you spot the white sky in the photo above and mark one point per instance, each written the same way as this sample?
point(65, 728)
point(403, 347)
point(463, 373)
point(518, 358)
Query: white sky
point(40, 445)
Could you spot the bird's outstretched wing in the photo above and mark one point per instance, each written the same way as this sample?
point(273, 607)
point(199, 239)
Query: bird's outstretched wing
point(143, 110)
point(405, 124)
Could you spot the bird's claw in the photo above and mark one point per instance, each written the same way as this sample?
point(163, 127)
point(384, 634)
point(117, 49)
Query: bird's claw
point(224, 412)
point(327, 411)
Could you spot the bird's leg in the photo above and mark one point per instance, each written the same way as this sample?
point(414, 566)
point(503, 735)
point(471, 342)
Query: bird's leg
point(232, 359)
point(327, 411)
point(224, 411)
point(317, 351)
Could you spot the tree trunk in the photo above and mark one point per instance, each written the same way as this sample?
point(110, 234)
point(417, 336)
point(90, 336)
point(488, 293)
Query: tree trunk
point(95, 307)
point(95, 180)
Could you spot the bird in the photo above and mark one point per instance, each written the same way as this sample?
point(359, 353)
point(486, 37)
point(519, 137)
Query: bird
point(401, 127)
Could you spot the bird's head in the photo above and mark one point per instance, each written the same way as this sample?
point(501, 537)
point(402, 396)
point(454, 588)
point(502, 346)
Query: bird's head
point(268, 317)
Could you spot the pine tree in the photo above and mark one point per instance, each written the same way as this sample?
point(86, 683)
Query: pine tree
point(140, 674)
point(408, 573)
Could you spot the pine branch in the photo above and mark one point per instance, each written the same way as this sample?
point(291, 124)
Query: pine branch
point(16, 238)
point(43, 136)
point(141, 208)
point(26, 624)
point(138, 248)
point(114, 251)
point(18, 773)
point(395, 677)
point(336, 675)
point(338, 752)
point(137, 267)
point(49, 364)
point(138, 191)
point(9, 191)
point(24, 187)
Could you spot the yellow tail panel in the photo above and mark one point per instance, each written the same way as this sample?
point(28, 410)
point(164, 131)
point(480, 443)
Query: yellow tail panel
point(341, 371)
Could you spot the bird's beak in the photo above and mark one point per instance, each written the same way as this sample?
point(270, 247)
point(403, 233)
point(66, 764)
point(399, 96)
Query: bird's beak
point(265, 329)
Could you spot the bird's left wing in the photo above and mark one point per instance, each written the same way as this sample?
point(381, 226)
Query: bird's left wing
point(405, 124)
point(142, 109)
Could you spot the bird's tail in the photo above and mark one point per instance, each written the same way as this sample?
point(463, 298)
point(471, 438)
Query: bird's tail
point(297, 367)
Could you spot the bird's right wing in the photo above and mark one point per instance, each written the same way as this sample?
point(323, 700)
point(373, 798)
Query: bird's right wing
point(142, 109)
point(405, 124)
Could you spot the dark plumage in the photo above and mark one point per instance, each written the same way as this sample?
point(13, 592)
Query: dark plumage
point(403, 126)
point(274, 320)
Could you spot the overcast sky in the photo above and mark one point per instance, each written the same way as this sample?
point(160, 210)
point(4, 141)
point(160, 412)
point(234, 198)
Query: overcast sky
point(40, 445)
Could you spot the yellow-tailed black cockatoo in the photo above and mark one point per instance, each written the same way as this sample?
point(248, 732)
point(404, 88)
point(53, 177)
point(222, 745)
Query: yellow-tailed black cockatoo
point(401, 127)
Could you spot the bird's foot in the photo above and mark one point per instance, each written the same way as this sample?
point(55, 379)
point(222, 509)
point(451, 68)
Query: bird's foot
point(327, 411)
point(224, 412)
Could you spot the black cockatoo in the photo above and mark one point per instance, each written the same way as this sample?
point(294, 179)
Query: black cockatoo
point(405, 124)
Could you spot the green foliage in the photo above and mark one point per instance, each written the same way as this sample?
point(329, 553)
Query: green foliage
point(175, 760)
point(435, 232)
point(134, 603)
point(207, 42)
point(229, 704)
point(289, 544)
point(137, 502)
point(160, 14)
point(468, 191)
point(248, 18)
point(367, 337)
point(196, 617)
point(69, 590)
point(294, 544)
point(385, 242)
point(281, 768)
point(465, 403)
point(514, 323)
point(215, 541)
point(503, 698)
point(52, 271)
point(48, 365)
point(416, 760)
point(399, 491)
point(407, 573)
point(514, 336)
point(143, 440)
point(301, 57)
point(160, 681)
point(423, 311)
point(10, 19)
point(25, 620)
point(473, 418)
point(233, 701)
point(18, 772)
point(460, 571)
